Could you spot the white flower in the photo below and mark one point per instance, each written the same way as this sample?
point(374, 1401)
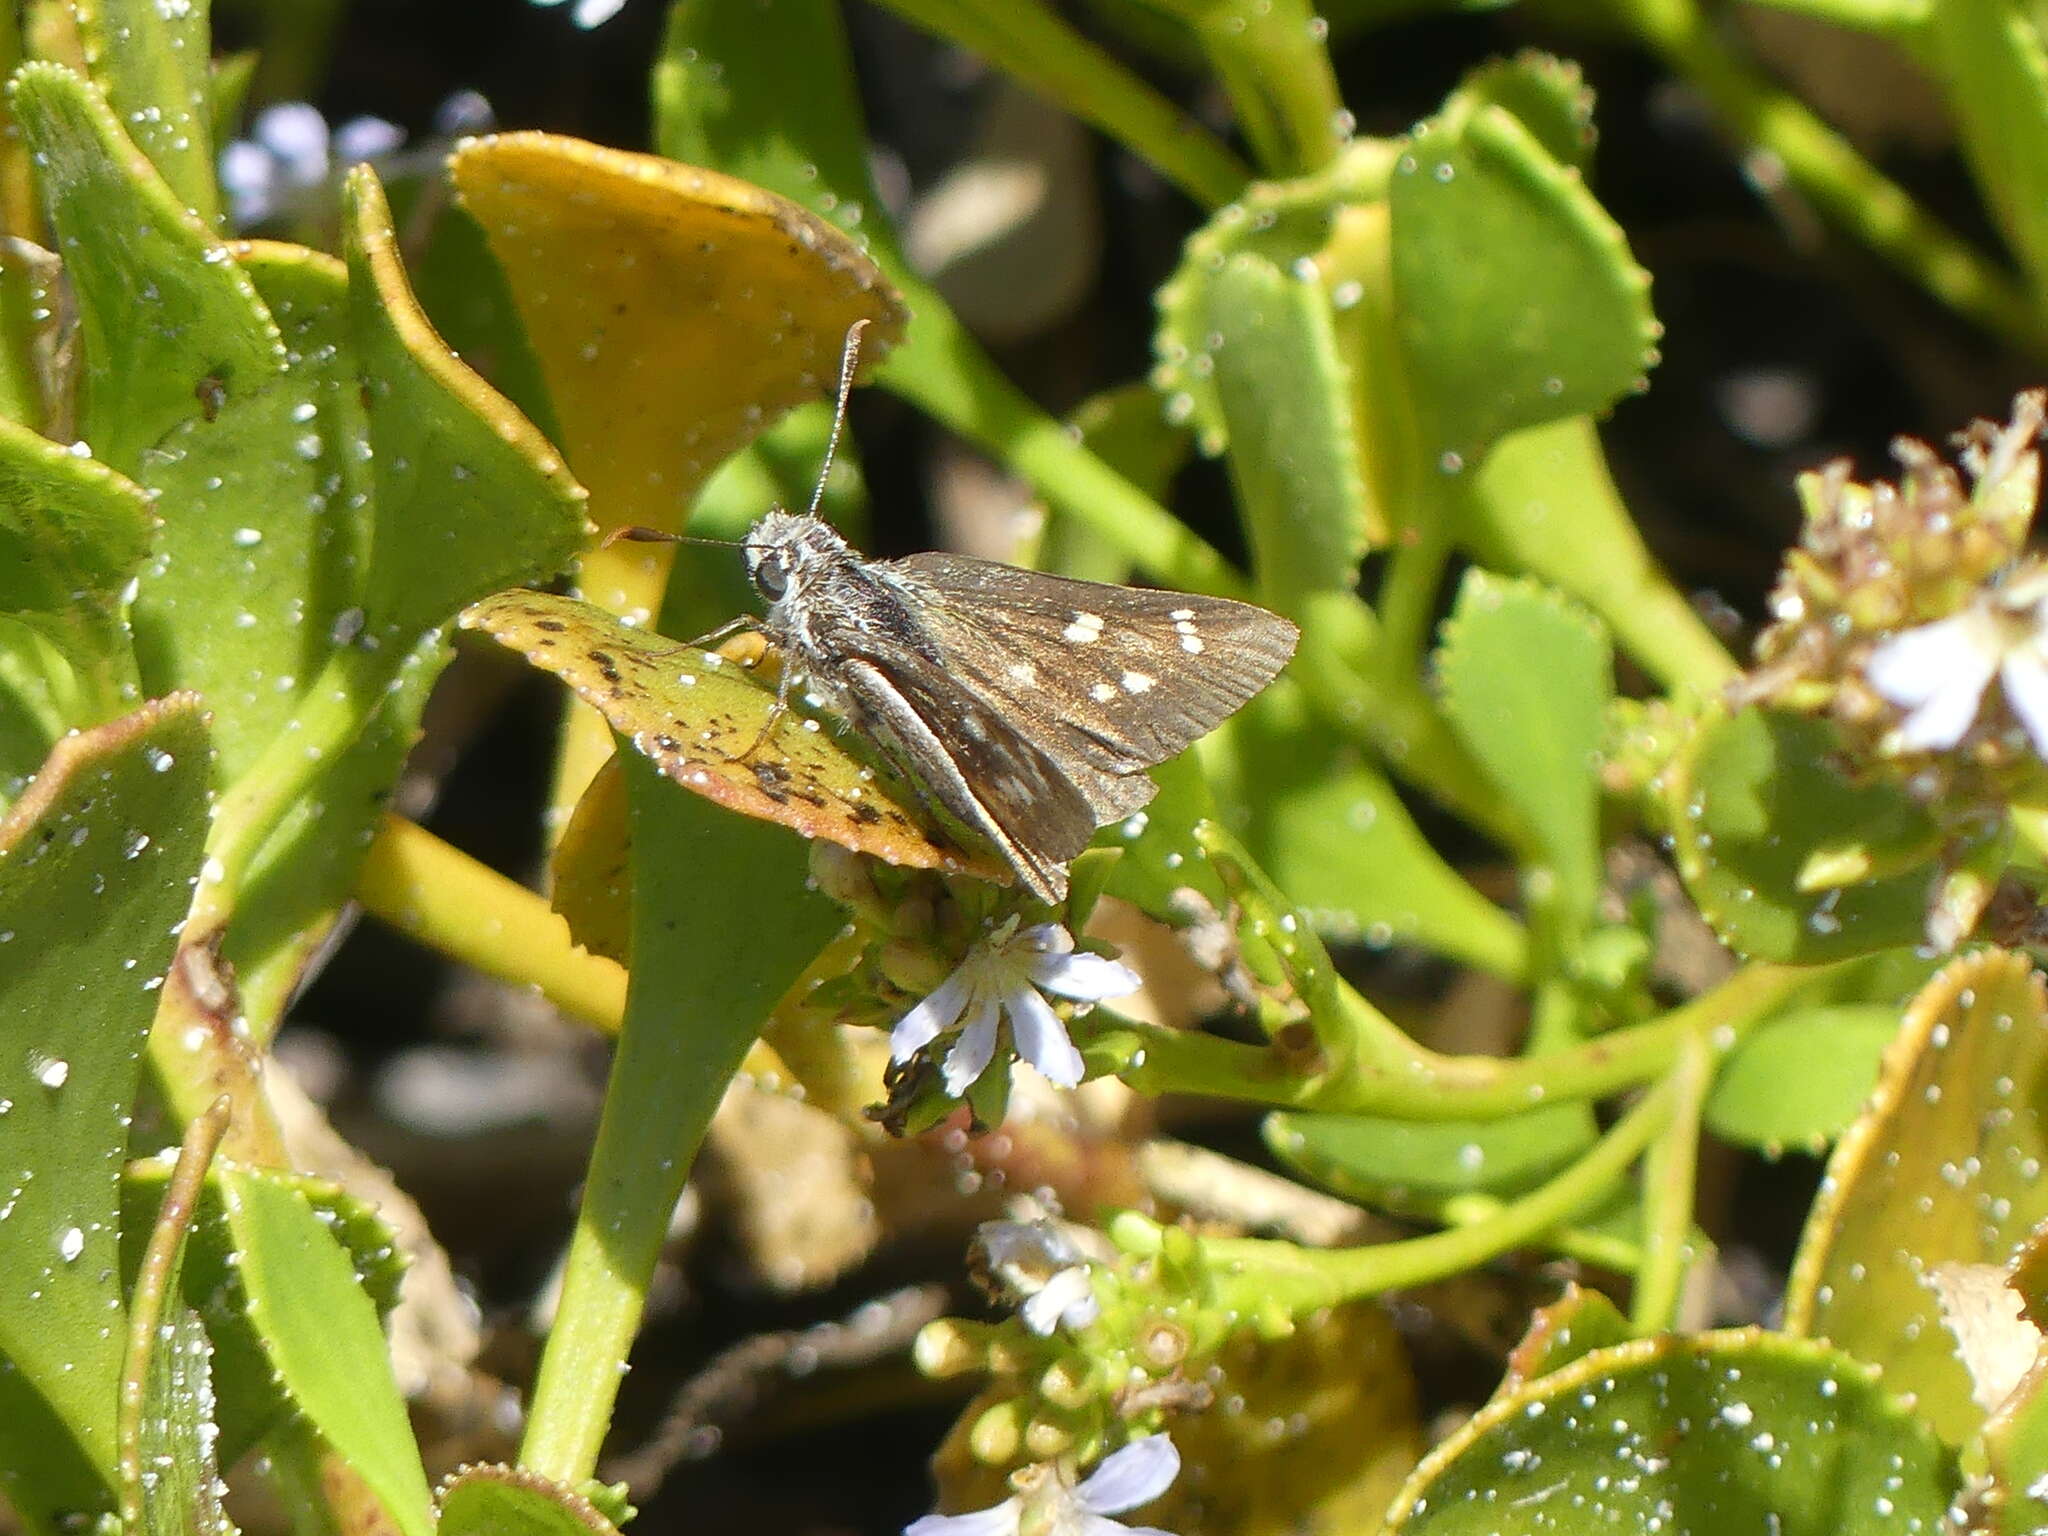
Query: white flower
point(1047, 1502)
point(290, 150)
point(1938, 672)
point(1038, 1261)
point(1003, 975)
point(590, 13)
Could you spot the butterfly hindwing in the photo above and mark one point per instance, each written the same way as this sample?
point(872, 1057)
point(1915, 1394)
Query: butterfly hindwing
point(974, 761)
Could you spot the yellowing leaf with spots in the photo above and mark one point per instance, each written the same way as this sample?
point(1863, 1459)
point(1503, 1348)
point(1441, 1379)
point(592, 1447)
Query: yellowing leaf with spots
point(699, 716)
point(1944, 1167)
point(676, 313)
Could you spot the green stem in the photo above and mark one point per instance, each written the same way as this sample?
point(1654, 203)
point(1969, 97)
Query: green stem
point(1272, 59)
point(1881, 16)
point(709, 966)
point(1843, 185)
point(1263, 1269)
point(1410, 589)
point(943, 371)
point(1588, 1246)
point(1670, 1179)
point(1030, 42)
point(1423, 1085)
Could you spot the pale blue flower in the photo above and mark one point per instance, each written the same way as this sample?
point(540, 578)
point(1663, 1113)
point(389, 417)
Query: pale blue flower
point(1003, 977)
point(1048, 1503)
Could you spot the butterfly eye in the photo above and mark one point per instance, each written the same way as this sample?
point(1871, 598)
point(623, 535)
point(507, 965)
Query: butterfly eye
point(771, 576)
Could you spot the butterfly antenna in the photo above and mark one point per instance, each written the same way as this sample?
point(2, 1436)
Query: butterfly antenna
point(849, 359)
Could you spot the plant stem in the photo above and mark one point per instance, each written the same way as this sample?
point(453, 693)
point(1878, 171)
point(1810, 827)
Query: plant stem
point(1301, 1278)
point(943, 371)
point(1843, 185)
point(443, 898)
point(1424, 1085)
point(1669, 1179)
point(1029, 41)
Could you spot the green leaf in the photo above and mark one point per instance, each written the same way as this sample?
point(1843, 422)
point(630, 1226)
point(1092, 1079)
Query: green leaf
point(155, 64)
point(1547, 95)
point(1516, 297)
point(1570, 1328)
point(1282, 226)
point(96, 864)
point(1749, 797)
point(266, 521)
point(1336, 837)
point(183, 1482)
point(303, 879)
point(170, 1470)
point(470, 498)
point(1544, 504)
point(1799, 1080)
point(1417, 1164)
point(511, 1501)
point(724, 923)
point(1943, 1167)
point(320, 1332)
point(169, 324)
point(1284, 392)
point(1536, 728)
point(1992, 60)
point(1739, 1431)
point(246, 1374)
point(73, 534)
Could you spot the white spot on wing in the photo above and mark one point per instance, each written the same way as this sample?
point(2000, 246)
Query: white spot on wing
point(1181, 615)
point(1137, 682)
point(1192, 644)
point(1102, 693)
point(1023, 672)
point(1086, 628)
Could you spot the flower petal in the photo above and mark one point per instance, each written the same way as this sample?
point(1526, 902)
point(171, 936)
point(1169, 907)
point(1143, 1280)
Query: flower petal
point(1042, 1038)
point(929, 1019)
point(1065, 1298)
point(1939, 672)
point(248, 173)
point(1135, 1475)
point(976, 1048)
point(2025, 677)
point(1085, 978)
point(296, 133)
point(997, 1520)
point(1047, 939)
point(366, 138)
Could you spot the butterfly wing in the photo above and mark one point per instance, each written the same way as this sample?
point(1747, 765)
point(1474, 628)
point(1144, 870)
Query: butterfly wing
point(969, 756)
point(1110, 679)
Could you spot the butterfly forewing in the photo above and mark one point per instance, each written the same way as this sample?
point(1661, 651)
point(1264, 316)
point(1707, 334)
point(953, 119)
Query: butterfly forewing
point(1118, 678)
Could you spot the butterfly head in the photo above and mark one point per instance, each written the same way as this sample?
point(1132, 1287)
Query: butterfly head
point(788, 551)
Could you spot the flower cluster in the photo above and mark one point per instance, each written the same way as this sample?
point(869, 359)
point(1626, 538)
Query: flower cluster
point(1903, 605)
